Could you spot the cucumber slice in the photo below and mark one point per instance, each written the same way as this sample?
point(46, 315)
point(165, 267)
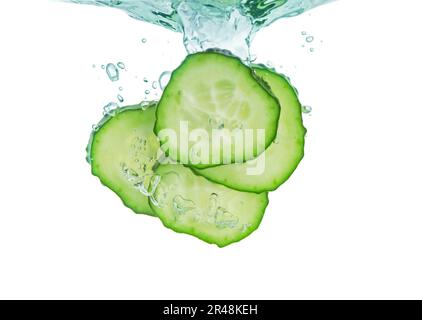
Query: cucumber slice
point(123, 153)
point(284, 154)
point(212, 93)
point(188, 203)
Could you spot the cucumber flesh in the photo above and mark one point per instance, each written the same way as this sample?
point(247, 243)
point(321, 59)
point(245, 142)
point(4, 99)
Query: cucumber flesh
point(123, 152)
point(216, 94)
point(281, 157)
point(188, 203)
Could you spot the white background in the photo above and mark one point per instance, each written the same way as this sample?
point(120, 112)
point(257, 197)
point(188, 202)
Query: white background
point(347, 225)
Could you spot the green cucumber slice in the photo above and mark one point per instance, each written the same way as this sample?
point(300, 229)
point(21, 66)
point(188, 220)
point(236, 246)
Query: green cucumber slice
point(188, 203)
point(281, 157)
point(123, 152)
point(213, 93)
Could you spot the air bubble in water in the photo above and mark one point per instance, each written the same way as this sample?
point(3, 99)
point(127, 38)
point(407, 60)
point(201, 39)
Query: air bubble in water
point(120, 98)
point(309, 39)
point(102, 66)
point(182, 205)
point(120, 88)
point(155, 85)
point(112, 72)
point(164, 79)
point(110, 109)
point(306, 109)
point(144, 40)
point(147, 92)
point(303, 33)
point(121, 65)
point(145, 105)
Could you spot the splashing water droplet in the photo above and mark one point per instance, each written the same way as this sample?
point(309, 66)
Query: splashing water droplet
point(120, 98)
point(147, 92)
point(145, 79)
point(144, 40)
point(121, 65)
point(102, 66)
point(110, 109)
point(303, 33)
point(306, 109)
point(155, 85)
point(120, 88)
point(309, 39)
point(112, 72)
point(164, 79)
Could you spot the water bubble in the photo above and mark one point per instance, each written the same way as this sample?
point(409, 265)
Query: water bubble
point(225, 219)
point(110, 109)
point(121, 65)
point(155, 85)
point(120, 88)
point(147, 91)
point(164, 79)
point(303, 33)
point(182, 205)
point(120, 98)
point(145, 105)
point(94, 66)
point(142, 186)
point(95, 127)
point(306, 109)
point(270, 64)
point(309, 39)
point(144, 40)
point(145, 79)
point(155, 180)
point(312, 50)
point(102, 66)
point(130, 174)
point(112, 72)
point(216, 122)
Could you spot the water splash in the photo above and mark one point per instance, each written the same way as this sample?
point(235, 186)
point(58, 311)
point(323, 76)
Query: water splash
point(228, 24)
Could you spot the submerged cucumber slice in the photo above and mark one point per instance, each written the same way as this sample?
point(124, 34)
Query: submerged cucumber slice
point(123, 152)
point(211, 93)
point(191, 204)
point(281, 157)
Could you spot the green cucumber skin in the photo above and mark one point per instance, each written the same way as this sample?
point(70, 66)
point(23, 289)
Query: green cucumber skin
point(270, 133)
point(234, 175)
point(140, 204)
point(221, 243)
